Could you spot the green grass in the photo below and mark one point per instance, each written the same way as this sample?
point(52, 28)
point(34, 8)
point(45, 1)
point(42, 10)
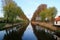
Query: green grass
point(2, 25)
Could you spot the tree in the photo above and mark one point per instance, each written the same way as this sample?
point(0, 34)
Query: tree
point(52, 13)
point(49, 13)
point(42, 15)
point(11, 11)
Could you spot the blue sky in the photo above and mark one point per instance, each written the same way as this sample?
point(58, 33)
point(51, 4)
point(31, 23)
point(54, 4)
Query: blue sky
point(29, 6)
point(1, 13)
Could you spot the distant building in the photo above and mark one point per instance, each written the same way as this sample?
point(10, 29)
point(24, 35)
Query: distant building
point(36, 15)
point(57, 21)
point(38, 18)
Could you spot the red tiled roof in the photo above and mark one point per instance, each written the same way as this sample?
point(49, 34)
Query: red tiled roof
point(57, 19)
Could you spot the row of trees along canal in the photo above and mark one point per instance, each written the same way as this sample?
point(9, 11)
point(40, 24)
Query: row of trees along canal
point(13, 14)
point(45, 15)
point(48, 13)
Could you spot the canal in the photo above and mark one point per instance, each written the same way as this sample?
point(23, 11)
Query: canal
point(29, 32)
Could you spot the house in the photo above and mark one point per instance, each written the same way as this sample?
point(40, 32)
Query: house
point(38, 18)
point(57, 21)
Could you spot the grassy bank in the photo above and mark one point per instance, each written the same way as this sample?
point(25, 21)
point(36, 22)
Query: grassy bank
point(2, 25)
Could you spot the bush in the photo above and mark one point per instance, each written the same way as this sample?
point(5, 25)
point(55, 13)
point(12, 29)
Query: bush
point(17, 21)
point(2, 25)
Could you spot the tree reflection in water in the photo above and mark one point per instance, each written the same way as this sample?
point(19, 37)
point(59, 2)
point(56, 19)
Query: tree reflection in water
point(42, 35)
point(15, 35)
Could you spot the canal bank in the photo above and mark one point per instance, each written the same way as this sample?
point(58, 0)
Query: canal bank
point(53, 33)
point(49, 26)
point(29, 32)
point(25, 33)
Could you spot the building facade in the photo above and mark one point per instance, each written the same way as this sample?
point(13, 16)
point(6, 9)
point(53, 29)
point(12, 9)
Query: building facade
point(57, 21)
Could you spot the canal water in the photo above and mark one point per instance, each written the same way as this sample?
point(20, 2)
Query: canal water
point(29, 32)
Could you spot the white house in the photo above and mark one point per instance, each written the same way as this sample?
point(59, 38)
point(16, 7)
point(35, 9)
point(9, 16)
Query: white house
point(38, 18)
point(57, 21)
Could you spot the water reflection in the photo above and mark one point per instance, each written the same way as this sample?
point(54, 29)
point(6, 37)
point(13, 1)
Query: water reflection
point(29, 34)
point(15, 35)
point(2, 34)
point(41, 34)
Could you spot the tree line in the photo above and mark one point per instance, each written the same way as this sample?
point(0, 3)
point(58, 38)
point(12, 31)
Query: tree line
point(12, 11)
point(48, 14)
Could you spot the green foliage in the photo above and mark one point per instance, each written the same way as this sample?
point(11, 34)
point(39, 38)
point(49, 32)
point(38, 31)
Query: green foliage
point(52, 11)
point(49, 13)
point(42, 15)
point(2, 25)
point(11, 11)
point(21, 21)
